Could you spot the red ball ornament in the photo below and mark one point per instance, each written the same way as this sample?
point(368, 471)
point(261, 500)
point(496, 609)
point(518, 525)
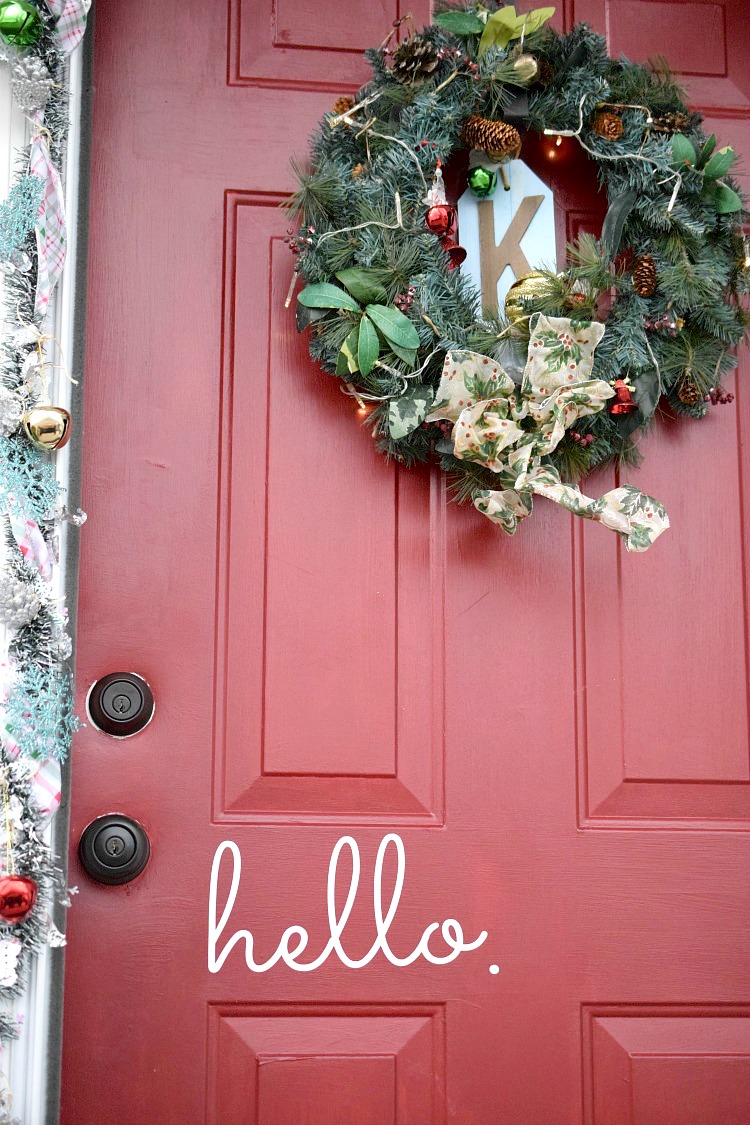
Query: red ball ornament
point(17, 897)
point(440, 218)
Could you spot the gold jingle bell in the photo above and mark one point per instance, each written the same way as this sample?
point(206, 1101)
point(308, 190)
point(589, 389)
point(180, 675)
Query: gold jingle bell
point(529, 286)
point(525, 68)
point(47, 427)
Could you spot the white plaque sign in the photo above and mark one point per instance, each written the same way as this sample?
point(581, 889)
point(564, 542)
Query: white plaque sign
point(509, 235)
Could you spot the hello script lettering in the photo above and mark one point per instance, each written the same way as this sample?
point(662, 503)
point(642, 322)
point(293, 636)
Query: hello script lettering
point(293, 941)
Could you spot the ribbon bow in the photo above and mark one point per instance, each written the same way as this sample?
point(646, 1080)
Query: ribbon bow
point(510, 429)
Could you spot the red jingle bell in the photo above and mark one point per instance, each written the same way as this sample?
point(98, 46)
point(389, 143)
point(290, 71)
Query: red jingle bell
point(17, 897)
point(440, 218)
point(456, 254)
point(624, 402)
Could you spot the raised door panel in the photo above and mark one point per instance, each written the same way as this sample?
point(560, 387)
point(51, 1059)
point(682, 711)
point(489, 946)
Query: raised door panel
point(325, 1064)
point(662, 673)
point(705, 41)
point(329, 653)
point(287, 43)
point(666, 1066)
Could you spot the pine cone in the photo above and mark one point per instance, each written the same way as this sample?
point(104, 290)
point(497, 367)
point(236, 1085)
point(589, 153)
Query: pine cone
point(608, 125)
point(669, 122)
point(546, 72)
point(414, 61)
point(498, 139)
point(343, 104)
point(687, 392)
point(645, 278)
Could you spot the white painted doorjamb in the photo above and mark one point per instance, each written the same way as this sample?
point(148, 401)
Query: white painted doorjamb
point(25, 1063)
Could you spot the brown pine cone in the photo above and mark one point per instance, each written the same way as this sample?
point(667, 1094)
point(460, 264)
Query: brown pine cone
point(608, 125)
point(343, 104)
point(546, 72)
point(498, 139)
point(414, 61)
point(645, 278)
point(687, 391)
point(669, 122)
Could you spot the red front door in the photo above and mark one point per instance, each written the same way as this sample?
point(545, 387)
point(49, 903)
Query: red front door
point(556, 733)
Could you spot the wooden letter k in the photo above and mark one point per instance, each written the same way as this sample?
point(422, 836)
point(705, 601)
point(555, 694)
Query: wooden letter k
point(494, 258)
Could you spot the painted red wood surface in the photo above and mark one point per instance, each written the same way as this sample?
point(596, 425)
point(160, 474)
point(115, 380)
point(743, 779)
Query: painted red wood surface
point(558, 731)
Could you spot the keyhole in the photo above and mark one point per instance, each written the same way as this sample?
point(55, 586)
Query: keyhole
point(121, 704)
point(114, 845)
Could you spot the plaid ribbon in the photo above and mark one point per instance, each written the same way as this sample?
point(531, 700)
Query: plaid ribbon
point(31, 543)
point(51, 238)
point(71, 22)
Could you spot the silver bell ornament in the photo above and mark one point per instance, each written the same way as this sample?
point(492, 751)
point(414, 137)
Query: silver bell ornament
point(10, 411)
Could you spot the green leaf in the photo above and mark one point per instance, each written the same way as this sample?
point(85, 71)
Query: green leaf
point(498, 31)
point(504, 25)
point(460, 23)
point(362, 284)
point(725, 200)
point(533, 20)
point(615, 219)
point(683, 151)
point(646, 393)
point(347, 357)
point(408, 412)
point(408, 355)
point(304, 316)
point(719, 164)
point(396, 327)
point(368, 346)
point(325, 296)
point(708, 147)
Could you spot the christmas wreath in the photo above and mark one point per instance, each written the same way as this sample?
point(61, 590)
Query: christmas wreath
point(530, 401)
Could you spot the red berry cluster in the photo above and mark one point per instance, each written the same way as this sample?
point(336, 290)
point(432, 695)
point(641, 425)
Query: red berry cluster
point(717, 396)
point(666, 322)
point(456, 56)
point(584, 440)
point(300, 240)
point(404, 300)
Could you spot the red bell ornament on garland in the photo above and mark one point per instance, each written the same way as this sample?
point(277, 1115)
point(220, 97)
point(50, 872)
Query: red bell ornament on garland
point(456, 254)
point(624, 402)
point(17, 897)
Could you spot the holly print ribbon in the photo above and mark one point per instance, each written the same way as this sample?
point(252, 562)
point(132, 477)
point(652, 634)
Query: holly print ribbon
point(510, 429)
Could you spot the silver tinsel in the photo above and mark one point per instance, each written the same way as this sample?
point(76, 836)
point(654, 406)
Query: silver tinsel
point(10, 411)
point(19, 603)
point(31, 83)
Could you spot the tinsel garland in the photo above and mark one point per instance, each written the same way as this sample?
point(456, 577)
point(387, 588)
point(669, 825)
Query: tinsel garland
point(362, 205)
point(37, 719)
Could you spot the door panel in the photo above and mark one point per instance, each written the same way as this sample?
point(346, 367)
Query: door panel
point(558, 731)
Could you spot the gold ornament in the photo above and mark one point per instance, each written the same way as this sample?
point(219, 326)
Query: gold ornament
point(525, 68)
point(47, 427)
point(529, 286)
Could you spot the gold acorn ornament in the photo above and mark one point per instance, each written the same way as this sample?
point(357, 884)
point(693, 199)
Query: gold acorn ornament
point(47, 427)
point(528, 287)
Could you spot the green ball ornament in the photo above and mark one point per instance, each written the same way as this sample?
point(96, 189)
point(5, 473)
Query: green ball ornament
point(20, 23)
point(482, 181)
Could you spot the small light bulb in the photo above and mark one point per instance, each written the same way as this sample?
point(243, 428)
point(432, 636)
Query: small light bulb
point(558, 142)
